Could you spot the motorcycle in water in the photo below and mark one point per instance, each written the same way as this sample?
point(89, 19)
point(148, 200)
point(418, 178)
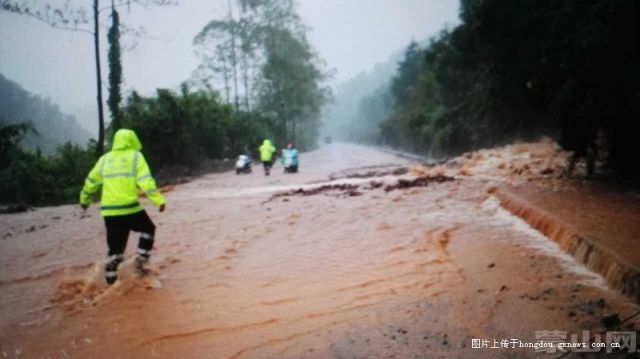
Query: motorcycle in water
point(289, 167)
point(243, 164)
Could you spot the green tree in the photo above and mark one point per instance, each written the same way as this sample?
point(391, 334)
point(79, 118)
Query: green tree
point(520, 69)
point(34, 179)
point(188, 127)
point(67, 17)
point(115, 70)
point(10, 137)
point(287, 91)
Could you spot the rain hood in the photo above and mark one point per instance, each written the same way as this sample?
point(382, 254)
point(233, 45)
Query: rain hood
point(126, 140)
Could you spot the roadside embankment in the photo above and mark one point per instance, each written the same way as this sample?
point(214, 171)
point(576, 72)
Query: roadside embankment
point(599, 228)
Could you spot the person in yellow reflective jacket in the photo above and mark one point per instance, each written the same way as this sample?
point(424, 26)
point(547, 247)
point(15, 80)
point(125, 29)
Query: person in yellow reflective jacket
point(267, 150)
point(120, 174)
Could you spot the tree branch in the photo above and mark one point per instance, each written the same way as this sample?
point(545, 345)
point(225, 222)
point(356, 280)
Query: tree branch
point(115, 6)
point(128, 3)
point(54, 25)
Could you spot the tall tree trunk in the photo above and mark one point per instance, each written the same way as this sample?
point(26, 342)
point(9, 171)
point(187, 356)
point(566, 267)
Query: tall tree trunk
point(225, 73)
point(247, 51)
point(285, 125)
point(245, 74)
point(234, 62)
point(115, 70)
point(96, 37)
point(293, 130)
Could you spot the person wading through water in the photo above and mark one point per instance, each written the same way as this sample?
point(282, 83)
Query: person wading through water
point(120, 173)
point(266, 155)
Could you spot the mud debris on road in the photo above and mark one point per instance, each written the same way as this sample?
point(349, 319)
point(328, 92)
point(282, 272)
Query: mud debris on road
point(325, 268)
point(344, 190)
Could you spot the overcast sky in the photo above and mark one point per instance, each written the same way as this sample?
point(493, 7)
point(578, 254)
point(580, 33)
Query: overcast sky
point(350, 35)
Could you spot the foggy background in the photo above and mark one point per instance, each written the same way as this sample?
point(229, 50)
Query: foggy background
point(352, 36)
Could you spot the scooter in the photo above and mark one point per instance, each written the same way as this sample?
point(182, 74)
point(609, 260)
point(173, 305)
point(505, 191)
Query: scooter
point(243, 164)
point(290, 160)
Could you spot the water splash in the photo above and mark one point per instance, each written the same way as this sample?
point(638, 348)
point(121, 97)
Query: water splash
point(90, 289)
point(617, 273)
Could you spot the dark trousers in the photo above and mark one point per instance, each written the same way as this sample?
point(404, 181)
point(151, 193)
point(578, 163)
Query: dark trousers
point(267, 166)
point(118, 228)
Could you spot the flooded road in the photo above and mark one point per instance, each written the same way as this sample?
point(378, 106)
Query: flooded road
point(354, 265)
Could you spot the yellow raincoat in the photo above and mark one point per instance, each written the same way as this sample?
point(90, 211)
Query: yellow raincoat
point(266, 151)
point(120, 173)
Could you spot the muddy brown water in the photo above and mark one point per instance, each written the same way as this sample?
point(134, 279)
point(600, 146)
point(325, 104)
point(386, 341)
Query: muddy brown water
point(237, 273)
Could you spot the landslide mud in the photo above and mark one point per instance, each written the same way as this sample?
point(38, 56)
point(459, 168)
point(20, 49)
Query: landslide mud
point(343, 190)
point(371, 171)
point(414, 272)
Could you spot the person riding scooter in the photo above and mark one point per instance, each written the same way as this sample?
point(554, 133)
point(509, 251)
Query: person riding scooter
point(243, 164)
point(290, 159)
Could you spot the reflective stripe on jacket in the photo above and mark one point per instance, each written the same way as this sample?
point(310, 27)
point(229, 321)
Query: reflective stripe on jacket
point(120, 173)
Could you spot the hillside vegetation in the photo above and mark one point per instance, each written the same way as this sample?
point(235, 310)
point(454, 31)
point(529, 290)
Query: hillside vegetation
point(51, 127)
point(516, 70)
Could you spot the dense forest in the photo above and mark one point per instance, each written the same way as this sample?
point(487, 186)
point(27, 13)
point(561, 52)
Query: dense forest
point(510, 71)
point(515, 70)
point(258, 57)
point(258, 78)
point(51, 127)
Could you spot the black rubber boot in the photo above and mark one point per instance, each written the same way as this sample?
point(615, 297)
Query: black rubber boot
point(144, 252)
point(141, 265)
point(111, 269)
